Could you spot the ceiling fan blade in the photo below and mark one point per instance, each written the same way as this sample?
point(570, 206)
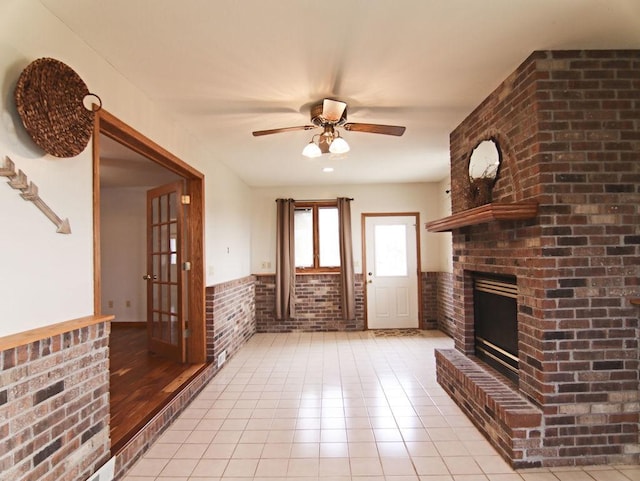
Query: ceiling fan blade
point(259, 133)
point(375, 128)
point(332, 110)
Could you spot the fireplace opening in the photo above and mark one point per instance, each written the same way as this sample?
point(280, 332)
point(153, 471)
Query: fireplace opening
point(495, 306)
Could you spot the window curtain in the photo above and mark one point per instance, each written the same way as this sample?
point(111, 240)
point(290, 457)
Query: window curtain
point(285, 259)
point(347, 278)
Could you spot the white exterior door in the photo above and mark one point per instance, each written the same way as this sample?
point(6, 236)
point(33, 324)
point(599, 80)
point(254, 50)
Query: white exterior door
point(391, 271)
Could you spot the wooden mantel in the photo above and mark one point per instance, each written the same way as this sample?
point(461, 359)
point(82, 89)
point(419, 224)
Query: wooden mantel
point(483, 214)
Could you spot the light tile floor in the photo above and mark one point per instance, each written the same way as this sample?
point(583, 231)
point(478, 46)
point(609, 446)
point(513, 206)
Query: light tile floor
point(335, 407)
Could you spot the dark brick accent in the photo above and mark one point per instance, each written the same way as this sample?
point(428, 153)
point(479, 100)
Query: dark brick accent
point(92, 431)
point(47, 451)
point(49, 391)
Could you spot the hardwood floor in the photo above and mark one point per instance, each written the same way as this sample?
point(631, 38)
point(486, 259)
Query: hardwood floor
point(141, 382)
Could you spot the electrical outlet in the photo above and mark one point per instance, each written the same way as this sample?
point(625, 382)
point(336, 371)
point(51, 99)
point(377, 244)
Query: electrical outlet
point(266, 265)
point(110, 304)
point(127, 303)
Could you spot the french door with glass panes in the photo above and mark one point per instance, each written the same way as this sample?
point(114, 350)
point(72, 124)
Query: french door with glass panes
point(165, 311)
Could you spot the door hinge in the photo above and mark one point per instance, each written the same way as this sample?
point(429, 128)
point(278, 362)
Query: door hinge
point(185, 199)
point(187, 333)
point(186, 266)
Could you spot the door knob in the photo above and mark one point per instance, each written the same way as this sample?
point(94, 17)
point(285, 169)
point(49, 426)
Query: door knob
point(148, 277)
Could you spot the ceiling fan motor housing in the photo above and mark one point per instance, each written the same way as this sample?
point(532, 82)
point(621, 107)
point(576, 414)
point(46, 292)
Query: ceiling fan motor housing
point(318, 119)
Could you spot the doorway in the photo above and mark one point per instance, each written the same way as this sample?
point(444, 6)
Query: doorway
point(391, 261)
point(156, 378)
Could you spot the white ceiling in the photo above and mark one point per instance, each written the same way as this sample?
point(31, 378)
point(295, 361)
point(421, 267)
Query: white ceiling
point(121, 167)
point(224, 68)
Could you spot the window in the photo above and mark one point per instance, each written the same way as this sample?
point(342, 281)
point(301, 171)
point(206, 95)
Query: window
point(390, 250)
point(316, 237)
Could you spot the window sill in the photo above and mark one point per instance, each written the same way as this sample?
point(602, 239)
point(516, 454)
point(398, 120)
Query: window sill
point(316, 273)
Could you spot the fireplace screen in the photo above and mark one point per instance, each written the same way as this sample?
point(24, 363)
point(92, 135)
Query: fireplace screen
point(495, 301)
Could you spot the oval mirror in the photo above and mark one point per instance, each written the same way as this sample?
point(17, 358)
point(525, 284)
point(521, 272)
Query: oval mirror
point(485, 160)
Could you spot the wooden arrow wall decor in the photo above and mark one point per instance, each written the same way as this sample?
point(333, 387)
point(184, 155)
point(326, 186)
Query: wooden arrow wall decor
point(29, 191)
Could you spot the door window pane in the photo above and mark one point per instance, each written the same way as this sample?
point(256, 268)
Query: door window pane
point(328, 234)
point(390, 250)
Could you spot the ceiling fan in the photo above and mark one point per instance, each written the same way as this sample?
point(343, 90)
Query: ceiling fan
point(329, 114)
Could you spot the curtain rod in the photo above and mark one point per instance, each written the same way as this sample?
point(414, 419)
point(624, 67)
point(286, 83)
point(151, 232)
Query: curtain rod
point(317, 200)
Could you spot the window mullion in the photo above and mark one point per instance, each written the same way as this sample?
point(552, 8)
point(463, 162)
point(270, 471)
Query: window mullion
point(316, 239)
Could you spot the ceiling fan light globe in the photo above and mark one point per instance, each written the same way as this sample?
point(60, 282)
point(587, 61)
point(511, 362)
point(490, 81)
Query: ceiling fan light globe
point(339, 146)
point(311, 150)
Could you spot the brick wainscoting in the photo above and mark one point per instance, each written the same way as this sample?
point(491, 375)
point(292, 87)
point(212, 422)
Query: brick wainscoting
point(444, 308)
point(429, 299)
point(230, 315)
point(437, 301)
point(567, 124)
point(54, 406)
point(317, 306)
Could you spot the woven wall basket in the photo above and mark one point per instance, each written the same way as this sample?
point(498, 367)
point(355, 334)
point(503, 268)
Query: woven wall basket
point(49, 98)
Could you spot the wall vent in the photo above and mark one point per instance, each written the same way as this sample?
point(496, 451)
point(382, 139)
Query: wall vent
point(222, 357)
point(105, 473)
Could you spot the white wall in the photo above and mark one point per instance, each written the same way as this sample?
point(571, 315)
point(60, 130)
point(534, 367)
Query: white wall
point(228, 226)
point(48, 277)
point(123, 251)
point(424, 198)
point(444, 190)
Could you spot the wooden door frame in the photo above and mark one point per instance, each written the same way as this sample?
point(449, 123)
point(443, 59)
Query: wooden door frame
point(109, 125)
point(363, 219)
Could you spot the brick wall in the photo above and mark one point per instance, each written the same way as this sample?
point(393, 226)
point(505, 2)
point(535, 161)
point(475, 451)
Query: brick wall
point(230, 316)
point(444, 303)
point(317, 306)
point(429, 299)
point(54, 407)
point(568, 126)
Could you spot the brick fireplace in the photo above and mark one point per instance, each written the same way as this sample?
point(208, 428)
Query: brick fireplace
point(568, 126)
